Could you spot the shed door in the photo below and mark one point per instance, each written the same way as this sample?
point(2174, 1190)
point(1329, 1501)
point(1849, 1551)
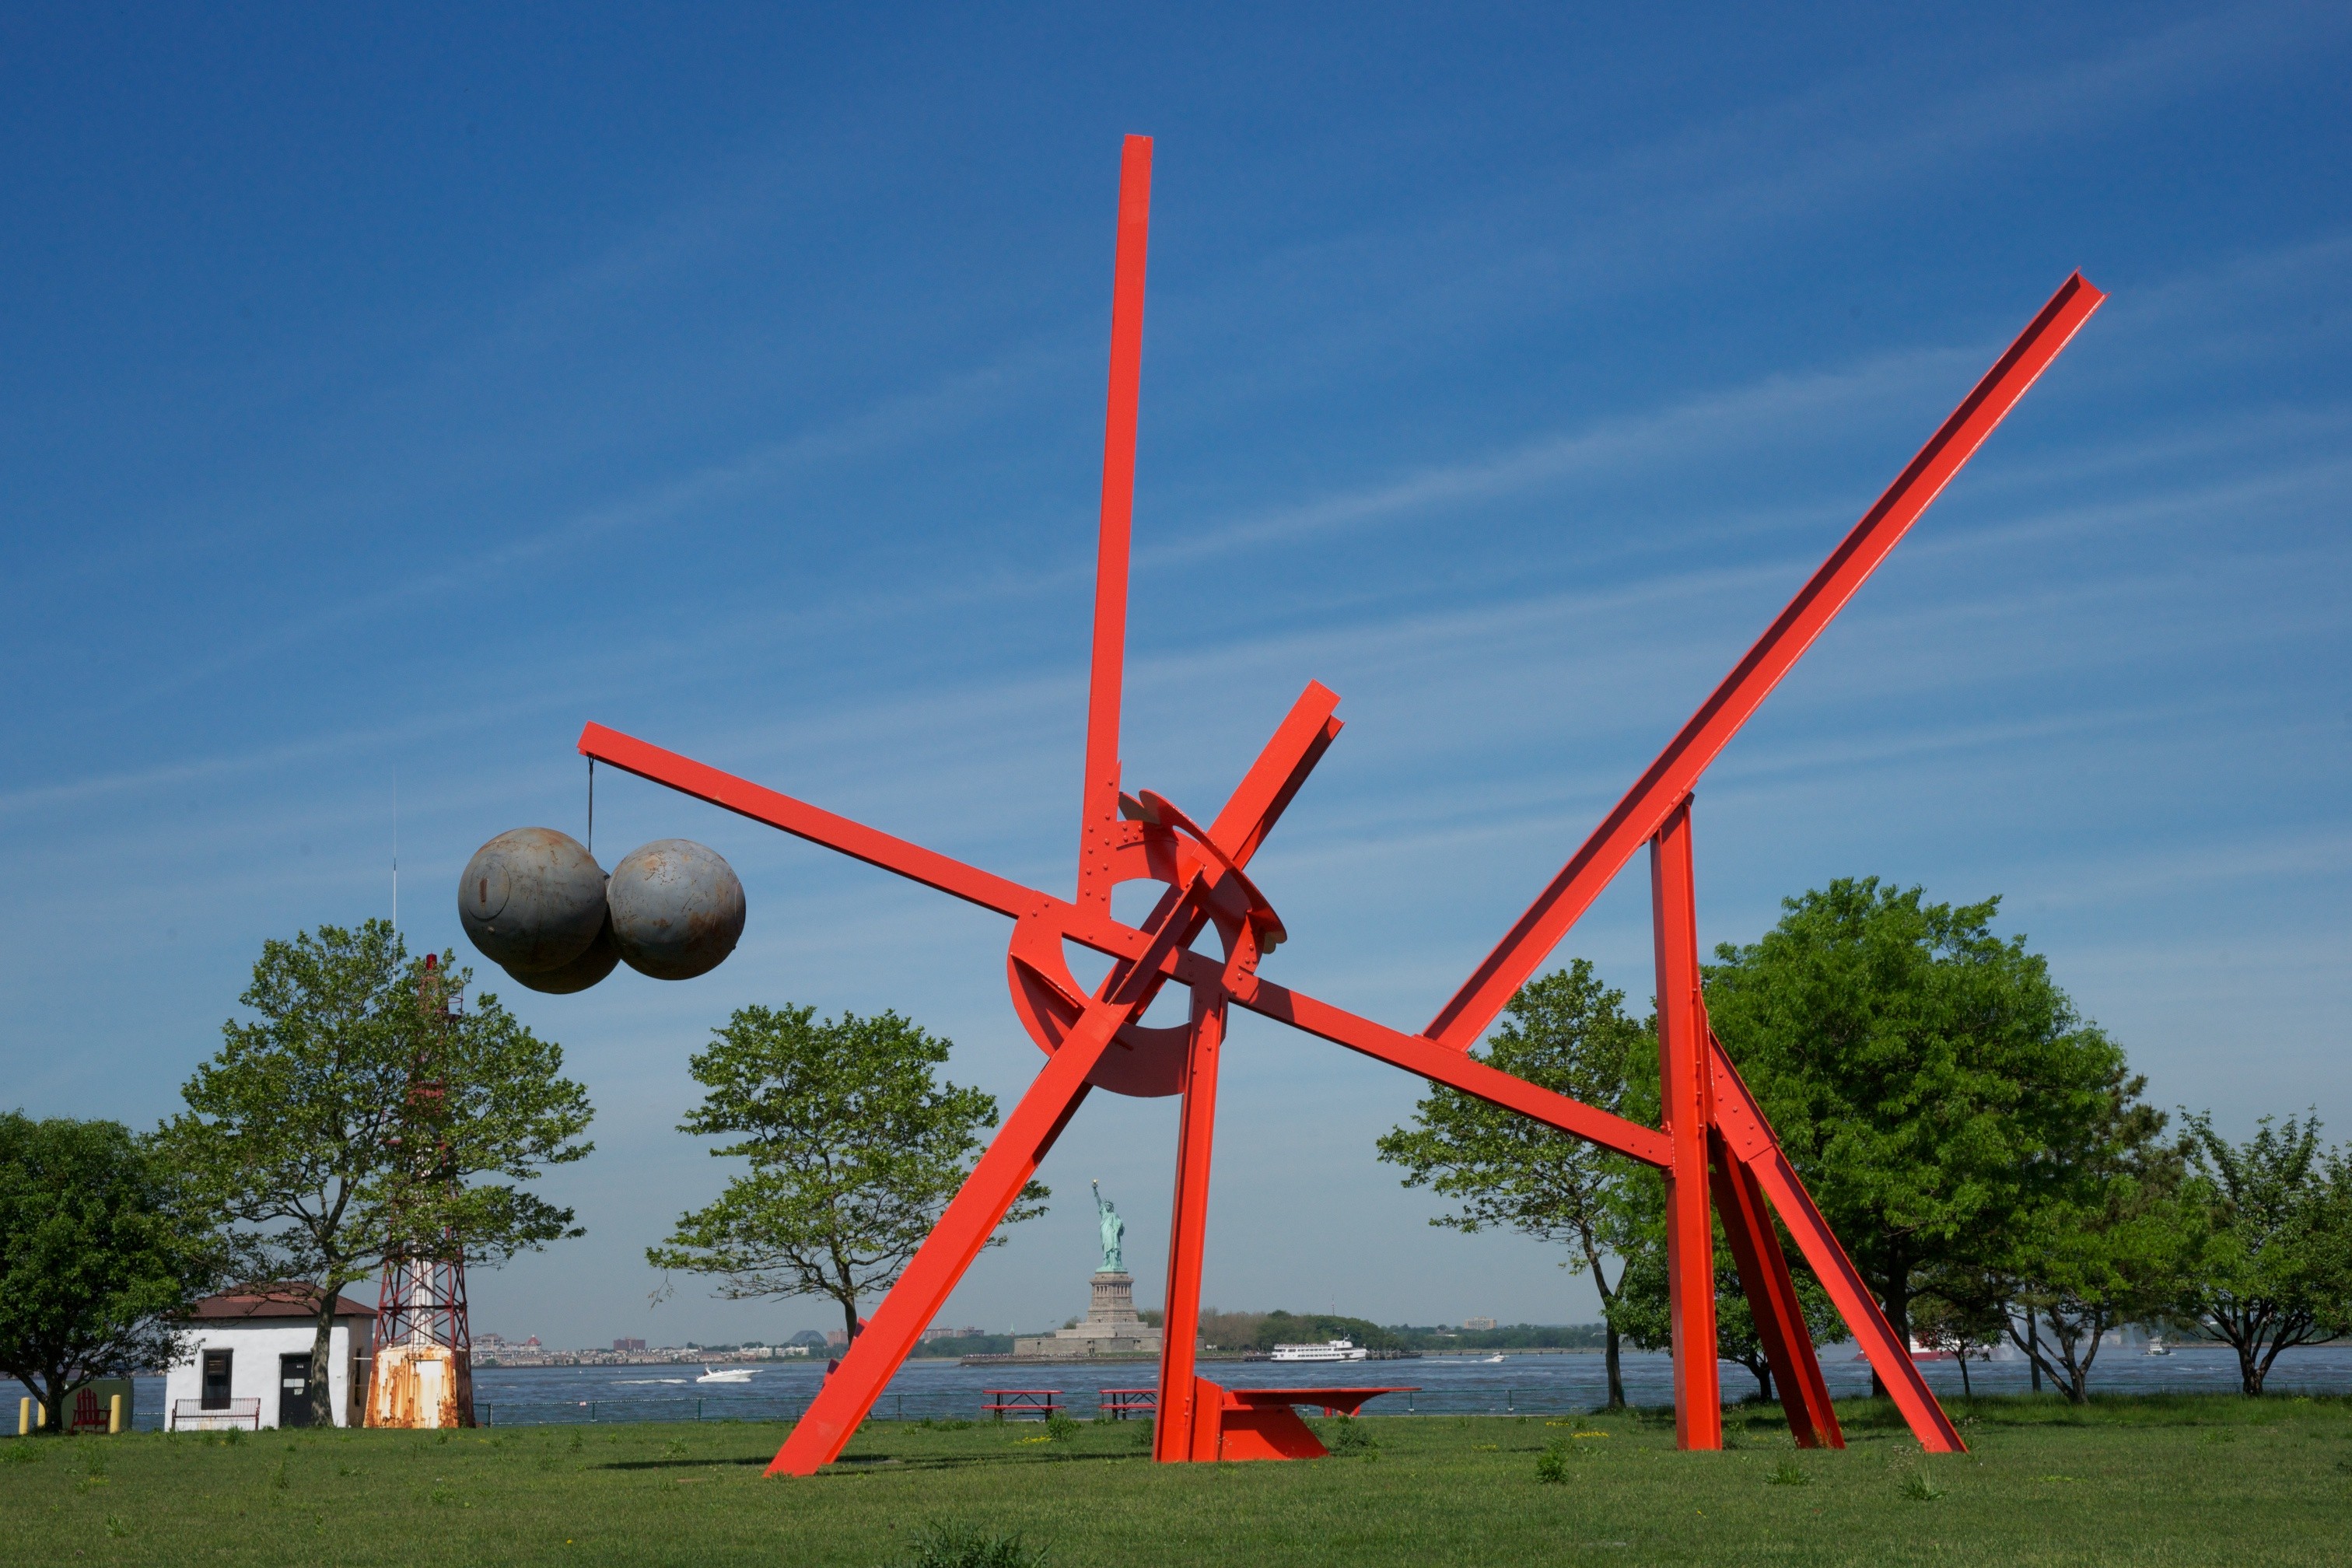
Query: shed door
point(294, 1391)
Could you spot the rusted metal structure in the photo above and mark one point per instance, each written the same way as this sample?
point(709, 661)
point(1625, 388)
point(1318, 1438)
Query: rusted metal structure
point(422, 1373)
point(1716, 1148)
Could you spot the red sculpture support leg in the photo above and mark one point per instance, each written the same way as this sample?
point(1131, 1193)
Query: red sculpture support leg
point(972, 1218)
point(1172, 1433)
point(1683, 1080)
point(1749, 1138)
point(1772, 1302)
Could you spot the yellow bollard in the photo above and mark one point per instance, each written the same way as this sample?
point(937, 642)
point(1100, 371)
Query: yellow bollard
point(25, 1416)
point(114, 1415)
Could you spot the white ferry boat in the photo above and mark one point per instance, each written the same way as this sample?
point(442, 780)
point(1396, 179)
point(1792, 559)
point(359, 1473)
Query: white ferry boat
point(1330, 1350)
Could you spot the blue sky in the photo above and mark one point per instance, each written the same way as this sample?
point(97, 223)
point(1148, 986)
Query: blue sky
point(386, 398)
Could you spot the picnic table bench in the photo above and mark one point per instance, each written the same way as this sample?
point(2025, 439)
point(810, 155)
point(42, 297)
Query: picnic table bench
point(1040, 1403)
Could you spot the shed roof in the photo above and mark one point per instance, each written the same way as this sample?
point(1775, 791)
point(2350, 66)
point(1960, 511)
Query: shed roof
point(298, 1301)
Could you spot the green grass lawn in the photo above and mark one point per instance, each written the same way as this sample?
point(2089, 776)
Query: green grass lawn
point(2145, 1480)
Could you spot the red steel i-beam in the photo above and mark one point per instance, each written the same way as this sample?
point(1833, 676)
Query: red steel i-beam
point(1750, 1140)
point(972, 1218)
point(1677, 772)
point(1172, 1431)
point(1685, 1098)
point(1099, 802)
point(1772, 1303)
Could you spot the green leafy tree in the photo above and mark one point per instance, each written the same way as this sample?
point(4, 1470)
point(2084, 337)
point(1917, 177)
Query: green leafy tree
point(2107, 1243)
point(2273, 1264)
point(100, 1253)
point(854, 1146)
point(1568, 1033)
point(1967, 1323)
point(293, 1127)
point(1923, 1074)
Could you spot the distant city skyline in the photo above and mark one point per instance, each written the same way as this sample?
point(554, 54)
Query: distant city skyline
point(387, 402)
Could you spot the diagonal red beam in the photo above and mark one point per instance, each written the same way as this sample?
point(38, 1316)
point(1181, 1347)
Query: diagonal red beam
point(1273, 780)
point(1099, 801)
point(1259, 802)
point(814, 824)
point(1772, 1302)
point(1457, 1069)
point(1297, 745)
point(1748, 1136)
point(1677, 769)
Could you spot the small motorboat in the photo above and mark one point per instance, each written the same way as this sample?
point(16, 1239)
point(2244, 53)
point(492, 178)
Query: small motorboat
point(1495, 1360)
point(731, 1375)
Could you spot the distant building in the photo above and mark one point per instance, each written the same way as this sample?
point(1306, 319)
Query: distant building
point(625, 1346)
point(1477, 1324)
point(248, 1362)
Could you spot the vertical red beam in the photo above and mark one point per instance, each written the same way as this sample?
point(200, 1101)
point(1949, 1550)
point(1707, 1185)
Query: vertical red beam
point(1174, 1424)
point(1099, 802)
point(1684, 1082)
point(1772, 1302)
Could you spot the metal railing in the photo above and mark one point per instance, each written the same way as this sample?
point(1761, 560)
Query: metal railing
point(972, 1404)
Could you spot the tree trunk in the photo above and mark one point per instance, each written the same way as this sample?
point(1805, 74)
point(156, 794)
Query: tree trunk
point(1616, 1367)
point(1966, 1392)
point(2080, 1393)
point(1898, 1318)
point(53, 1404)
point(2033, 1348)
point(322, 1358)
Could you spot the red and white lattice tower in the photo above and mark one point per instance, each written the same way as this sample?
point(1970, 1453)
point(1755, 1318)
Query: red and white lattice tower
point(422, 1369)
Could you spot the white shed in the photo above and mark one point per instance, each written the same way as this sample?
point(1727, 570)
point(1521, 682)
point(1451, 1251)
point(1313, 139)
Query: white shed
point(248, 1362)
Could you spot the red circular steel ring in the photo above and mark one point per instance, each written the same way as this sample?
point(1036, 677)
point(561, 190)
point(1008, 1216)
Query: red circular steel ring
point(1141, 1060)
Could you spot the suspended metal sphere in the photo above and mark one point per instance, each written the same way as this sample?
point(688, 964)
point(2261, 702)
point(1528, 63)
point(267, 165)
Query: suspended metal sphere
point(581, 972)
point(531, 899)
point(677, 909)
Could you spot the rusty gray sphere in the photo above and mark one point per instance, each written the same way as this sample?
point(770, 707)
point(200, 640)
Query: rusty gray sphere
point(579, 975)
point(531, 899)
point(677, 909)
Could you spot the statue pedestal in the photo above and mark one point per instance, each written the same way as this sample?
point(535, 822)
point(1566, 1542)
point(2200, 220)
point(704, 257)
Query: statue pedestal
point(1111, 1326)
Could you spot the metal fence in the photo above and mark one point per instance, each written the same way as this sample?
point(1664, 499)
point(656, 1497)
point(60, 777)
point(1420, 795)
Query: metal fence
point(972, 1406)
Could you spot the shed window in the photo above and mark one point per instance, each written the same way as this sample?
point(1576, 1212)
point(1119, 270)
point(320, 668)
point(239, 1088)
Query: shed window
point(215, 1380)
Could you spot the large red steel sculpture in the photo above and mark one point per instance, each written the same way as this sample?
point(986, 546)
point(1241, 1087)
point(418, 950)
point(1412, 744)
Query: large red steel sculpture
point(1714, 1148)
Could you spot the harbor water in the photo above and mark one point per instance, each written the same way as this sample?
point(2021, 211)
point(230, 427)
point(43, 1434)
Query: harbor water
point(1555, 1384)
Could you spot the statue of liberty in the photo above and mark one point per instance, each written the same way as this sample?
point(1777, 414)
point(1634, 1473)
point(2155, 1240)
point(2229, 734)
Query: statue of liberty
point(1114, 1230)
